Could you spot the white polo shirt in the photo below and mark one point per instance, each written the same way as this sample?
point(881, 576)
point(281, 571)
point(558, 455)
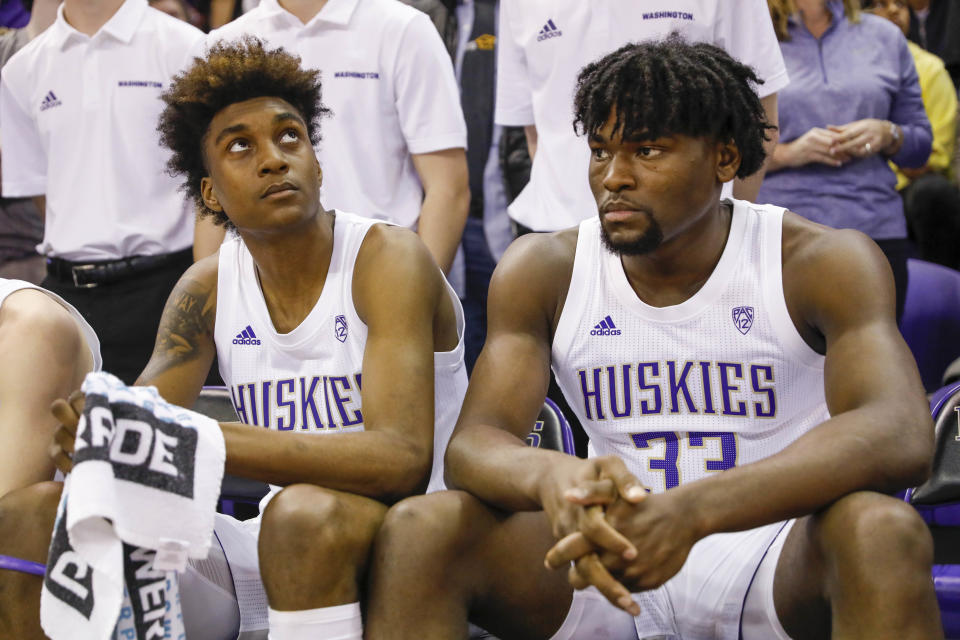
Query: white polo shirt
point(545, 43)
point(388, 80)
point(78, 117)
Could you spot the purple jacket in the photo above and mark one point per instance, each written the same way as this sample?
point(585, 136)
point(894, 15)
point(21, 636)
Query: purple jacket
point(854, 71)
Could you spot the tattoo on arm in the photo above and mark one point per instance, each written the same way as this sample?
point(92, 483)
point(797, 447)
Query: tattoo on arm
point(186, 324)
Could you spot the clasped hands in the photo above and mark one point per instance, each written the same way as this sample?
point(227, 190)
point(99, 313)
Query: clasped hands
point(837, 145)
point(613, 534)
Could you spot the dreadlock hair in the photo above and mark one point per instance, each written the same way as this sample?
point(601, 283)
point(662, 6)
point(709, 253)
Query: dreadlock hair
point(231, 72)
point(671, 87)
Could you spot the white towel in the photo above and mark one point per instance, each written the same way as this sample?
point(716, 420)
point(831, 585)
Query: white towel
point(139, 501)
point(151, 600)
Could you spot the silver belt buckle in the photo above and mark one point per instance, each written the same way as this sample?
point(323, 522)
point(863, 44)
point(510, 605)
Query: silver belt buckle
point(82, 267)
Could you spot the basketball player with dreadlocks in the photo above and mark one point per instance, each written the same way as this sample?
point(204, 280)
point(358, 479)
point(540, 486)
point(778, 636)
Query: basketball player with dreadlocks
point(748, 398)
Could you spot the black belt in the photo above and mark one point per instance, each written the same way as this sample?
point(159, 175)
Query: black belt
point(85, 275)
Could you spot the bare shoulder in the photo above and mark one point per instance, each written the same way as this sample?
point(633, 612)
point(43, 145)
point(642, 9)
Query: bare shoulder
point(196, 290)
point(541, 259)
point(392, 263)
point(185, 335)
point(388, 249)
point(206, 269)
point(190, 313)
point(834, 274)
point(808, 245)
point(391, 238)
point(543, 252)
point(535, 274)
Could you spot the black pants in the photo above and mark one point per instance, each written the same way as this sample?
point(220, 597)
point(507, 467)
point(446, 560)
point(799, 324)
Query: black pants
point(479, 269)
point(898, 251)
point(125, 314)
point(932, 206)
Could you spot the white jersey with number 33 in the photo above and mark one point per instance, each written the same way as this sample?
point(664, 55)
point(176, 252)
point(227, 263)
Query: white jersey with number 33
point(680, 392)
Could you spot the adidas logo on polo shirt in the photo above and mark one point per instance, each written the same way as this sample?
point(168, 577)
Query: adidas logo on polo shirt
point(247, 336)
point(49, 101)
point(549, 30)
point(605, 328)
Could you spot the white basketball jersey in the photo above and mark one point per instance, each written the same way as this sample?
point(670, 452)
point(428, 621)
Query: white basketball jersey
point(309, 380)
point(680, 392)
point(9, 286)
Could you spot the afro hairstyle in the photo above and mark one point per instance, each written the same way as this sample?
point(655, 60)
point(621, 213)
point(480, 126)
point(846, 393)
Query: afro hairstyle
point(231, 72)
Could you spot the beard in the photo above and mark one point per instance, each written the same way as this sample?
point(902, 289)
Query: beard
point(650, 240)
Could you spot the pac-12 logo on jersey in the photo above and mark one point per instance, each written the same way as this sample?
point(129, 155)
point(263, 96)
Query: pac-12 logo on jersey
point(247, 336)
point(340, 328)
point(743, 319)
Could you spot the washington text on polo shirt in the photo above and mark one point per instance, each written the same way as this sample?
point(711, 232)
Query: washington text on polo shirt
point(392, 97)
point(537, 71)
point(80, 115)
point(368, 75)
point(140, 83)
point(675, 15)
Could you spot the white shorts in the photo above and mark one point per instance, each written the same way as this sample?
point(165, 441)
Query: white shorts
point(704, 601)
point(223, 596)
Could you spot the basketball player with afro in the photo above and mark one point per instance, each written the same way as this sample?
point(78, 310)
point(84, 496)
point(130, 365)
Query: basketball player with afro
point(324, 324)
point(748, 398)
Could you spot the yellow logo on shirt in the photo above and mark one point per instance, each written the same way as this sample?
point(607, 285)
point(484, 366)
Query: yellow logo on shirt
point(486, 42)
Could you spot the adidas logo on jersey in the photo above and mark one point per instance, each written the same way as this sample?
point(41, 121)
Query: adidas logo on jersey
point(605, 328)
point(549, 30)
point(49, 101)
point(247, 336)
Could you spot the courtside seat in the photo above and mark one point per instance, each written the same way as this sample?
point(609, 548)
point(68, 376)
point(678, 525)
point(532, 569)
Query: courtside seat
point(952, 374)
point(946, 578)
point(938, 502)
point(215, 402)
point(239, 497)
point(551, 430)
point(931, 319)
